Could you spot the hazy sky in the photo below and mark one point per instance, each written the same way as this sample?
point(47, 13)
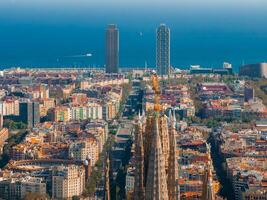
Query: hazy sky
point(132, 1)
point(128, 3)
point(113, 10)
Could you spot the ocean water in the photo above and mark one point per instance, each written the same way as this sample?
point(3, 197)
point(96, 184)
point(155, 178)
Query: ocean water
point(46, 34)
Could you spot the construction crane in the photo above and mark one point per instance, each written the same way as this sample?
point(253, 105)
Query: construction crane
point(156, 88)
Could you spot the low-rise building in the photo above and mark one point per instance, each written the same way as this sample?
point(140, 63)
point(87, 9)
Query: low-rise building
point(81, 150)
point(60, 114)
point(3, 138)
point(67, 181)
point(129, 185)
point(18, 187)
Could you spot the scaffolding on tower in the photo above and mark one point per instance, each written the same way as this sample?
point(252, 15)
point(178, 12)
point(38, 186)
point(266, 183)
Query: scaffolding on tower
point(156, 88)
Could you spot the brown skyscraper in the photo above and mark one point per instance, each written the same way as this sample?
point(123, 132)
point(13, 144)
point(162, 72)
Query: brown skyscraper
point(112, 49)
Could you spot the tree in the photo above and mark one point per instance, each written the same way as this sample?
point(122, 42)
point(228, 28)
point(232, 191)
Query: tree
point(75, 198)
point(113, 132)
point(10, 124)
point(36, 196)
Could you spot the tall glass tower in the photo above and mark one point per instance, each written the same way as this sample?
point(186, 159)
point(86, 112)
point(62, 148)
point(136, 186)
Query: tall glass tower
point(163, 50)
point(112, 49)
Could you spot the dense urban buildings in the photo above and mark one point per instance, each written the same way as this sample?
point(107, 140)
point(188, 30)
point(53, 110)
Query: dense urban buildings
point(171, 159)
point(163, 50)
point(193, 134)
point(112, 49)
point(55, 128)
point(83, 133)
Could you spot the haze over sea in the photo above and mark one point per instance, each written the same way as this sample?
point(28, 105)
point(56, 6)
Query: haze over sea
point(52, 33)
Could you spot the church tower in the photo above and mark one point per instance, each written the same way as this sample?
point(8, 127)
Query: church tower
point(173, 187)
point(156, 185)
point(139, 189)
point(107, 184)
point(147, 141)
point(208, 191)
point(164, 136)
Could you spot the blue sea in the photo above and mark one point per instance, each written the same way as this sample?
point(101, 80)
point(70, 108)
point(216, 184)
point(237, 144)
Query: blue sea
point(58, 33)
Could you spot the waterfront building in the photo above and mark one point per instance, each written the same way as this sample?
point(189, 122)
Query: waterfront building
point(112, 49)
point(197, 69)
point(258, 70)
point(226, 70)
point(228, 66)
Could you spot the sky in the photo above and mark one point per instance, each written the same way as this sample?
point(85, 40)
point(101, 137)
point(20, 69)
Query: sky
point(75, 5)
point(248, 14)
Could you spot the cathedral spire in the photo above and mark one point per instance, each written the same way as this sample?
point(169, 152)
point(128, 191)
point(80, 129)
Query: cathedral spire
point(139, 190)
point(156, 185)
point(165, 141)
point(170, 115)
point(143, 112)
point(139, 115)
point(173, 187)
point(207, 191)
point(147, 140)
point(174, 117)
point(107, 184)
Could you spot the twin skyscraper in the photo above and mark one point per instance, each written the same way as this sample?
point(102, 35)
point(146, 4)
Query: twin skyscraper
point(162, 49)
point(112, 49)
